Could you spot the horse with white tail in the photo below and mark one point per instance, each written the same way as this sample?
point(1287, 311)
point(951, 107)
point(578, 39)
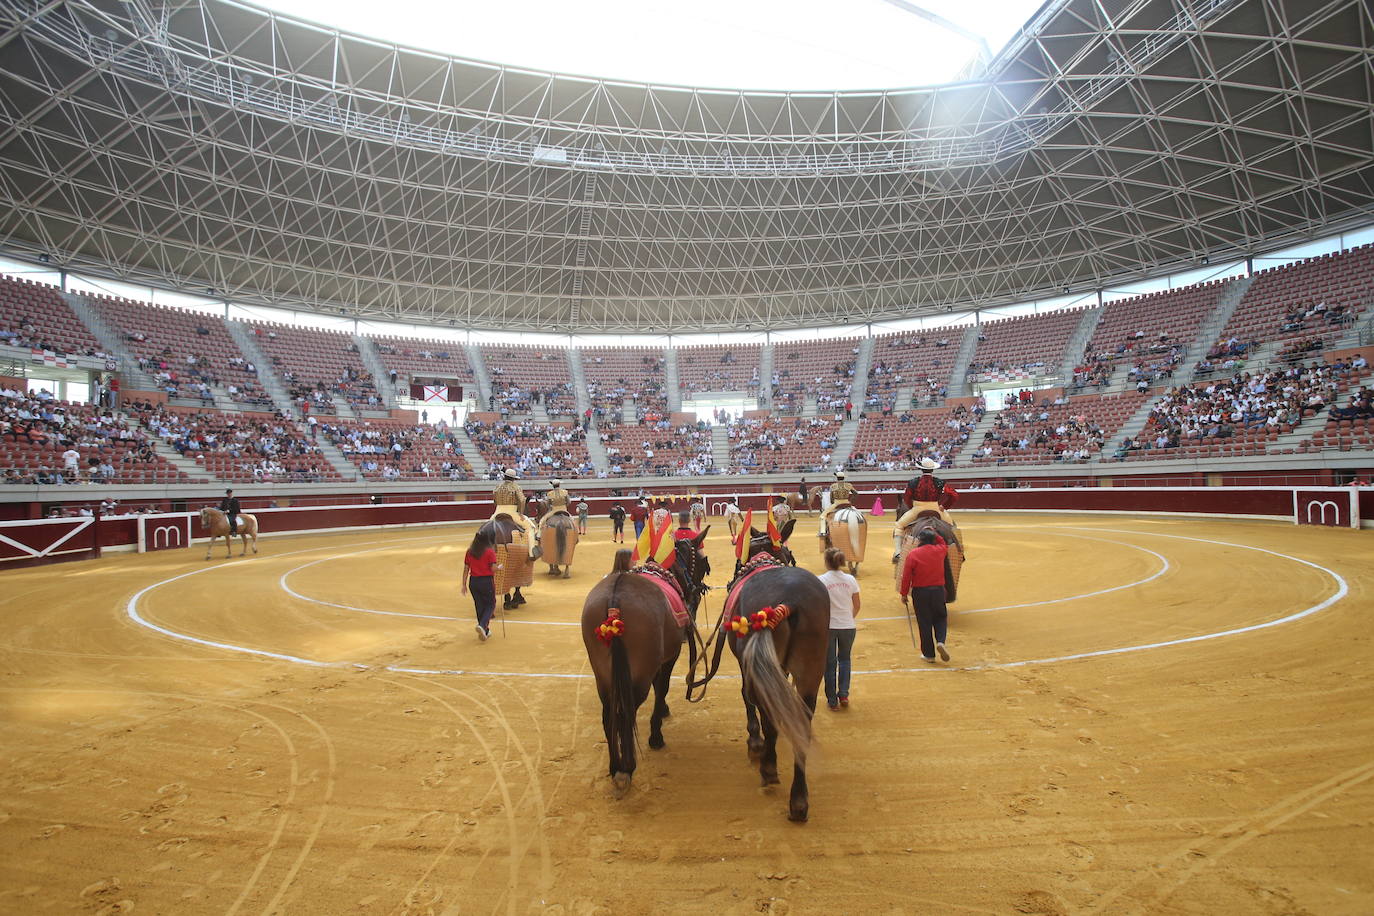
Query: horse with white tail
point(218, 525)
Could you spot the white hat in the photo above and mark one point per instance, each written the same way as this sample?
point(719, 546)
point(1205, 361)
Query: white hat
point(556, 482)
point(509, 474)
point(839, 475)
point(929, 464)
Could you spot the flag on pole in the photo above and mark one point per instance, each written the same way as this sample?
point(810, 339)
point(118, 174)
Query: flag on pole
point(664, 551)
point(644, 543)
point(774, 534)
point(742, 539)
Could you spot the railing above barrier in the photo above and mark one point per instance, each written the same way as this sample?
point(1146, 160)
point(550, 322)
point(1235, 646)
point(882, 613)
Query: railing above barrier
point(45, 540)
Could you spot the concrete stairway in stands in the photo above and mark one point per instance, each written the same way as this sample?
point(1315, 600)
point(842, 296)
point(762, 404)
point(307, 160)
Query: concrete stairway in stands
point(346, 469)
point(579, 382)
point(1132, 427)
point(958, 373)
point(178, 461)
point(470, 451)
point(844, 442)
point(479, 372)
point(131, 376)
point(1359, 334)
point(367, 350)
point(596, 451)
point(1078, 343)
point(1212, 326)
point(670, 379)
point(863, 363)
point(964, 457)
point(629, 413)
point(720, 448)
point(267, 376)
point(766, 379)
point(1289, 442)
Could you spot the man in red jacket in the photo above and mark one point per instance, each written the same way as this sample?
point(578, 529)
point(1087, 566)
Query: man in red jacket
point(923, 578)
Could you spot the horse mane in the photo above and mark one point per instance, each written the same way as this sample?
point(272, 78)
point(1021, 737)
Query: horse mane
point(622, 561)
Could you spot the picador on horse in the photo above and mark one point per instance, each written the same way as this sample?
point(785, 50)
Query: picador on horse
point(924, 492)
point(509, 500)
point(841, 494)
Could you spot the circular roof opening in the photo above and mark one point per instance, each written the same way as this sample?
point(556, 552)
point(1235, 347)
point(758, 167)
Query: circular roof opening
point(770, 45)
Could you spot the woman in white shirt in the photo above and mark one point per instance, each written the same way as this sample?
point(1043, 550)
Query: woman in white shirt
point(844, 609)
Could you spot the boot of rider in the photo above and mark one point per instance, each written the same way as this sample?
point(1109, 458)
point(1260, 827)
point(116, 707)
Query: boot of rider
point(897, 533)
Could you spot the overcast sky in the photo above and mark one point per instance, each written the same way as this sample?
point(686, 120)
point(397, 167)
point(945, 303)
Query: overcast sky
point(735, 44)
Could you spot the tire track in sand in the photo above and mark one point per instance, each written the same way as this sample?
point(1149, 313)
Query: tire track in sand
point(1209, 850)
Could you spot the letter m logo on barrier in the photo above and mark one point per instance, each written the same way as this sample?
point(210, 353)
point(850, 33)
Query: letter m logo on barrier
point(1316, 512)
point(163, 532)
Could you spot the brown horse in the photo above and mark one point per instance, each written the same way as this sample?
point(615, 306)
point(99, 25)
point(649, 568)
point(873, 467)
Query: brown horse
point(954, 557)
point(796, 646)
point(218, 524)
point(512, 550)
point(811, 503)
point(633, 641)
point(558, 539)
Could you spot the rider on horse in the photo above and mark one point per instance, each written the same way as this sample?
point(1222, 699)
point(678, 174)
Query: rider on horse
point(230, 507)
point(925, 492)
point(557, 500)
point(508, 498)
point(840, 495)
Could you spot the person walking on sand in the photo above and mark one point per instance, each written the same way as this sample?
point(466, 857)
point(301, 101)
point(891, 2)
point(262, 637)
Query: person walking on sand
point(923, 578)
point(583, 510)
point(479, 570)
point(617, 524)
point(844, 612)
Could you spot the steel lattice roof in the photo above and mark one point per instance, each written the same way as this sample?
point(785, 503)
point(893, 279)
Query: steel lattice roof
point(215, 145)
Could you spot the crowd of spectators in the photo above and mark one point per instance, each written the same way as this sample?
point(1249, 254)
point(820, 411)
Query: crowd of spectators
point(907, 438)
point(51, 442)
point(1048, 430)
point(1262, 404)
point(246, 448)
point(659, 449)
point(761, 445)
point(532, 448)
point(393, 451)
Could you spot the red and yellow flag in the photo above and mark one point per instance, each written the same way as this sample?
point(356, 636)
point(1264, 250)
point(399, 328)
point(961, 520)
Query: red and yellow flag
point(774, 534)
point(665, 545)
point(644, 543)
point(742, 539)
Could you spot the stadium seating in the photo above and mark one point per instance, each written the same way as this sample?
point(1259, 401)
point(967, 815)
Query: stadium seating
point(534, 449)
point(184, 350)
point(412, 358)
point(397, 450)
point(240, 447)
point(35, 432)
point(35, 316)
point(820, 369)
point(659, 450)
point(724, 367)
point(899, 442)
point(773, 444)
point(521, 375)
point(1029, 345)
point(1318, 296)
point(317, 366)
point(617, 374)
point(920, 360)
point(1074, 431)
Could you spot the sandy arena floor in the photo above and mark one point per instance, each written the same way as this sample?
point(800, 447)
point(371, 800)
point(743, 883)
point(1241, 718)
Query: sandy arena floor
point(1102, 741)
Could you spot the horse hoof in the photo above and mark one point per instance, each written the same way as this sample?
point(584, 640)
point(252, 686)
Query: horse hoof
point(567, 572)
point(656, 742)
point(770, 779)
point(798, 814)
point(620, 784)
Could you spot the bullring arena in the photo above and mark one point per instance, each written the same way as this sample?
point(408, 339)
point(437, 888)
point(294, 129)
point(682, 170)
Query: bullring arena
point(1093, 277)
point(1142, 714)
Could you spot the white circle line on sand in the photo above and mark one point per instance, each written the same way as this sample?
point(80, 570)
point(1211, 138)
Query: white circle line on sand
point(281, 581)
point(1163, 568)
point(1342, 590)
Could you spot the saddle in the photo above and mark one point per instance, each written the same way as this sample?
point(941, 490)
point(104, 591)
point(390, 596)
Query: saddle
point(757, 564)
point(672, 590)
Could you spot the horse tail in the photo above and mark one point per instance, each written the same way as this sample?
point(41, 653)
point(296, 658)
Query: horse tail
point(622, 710)
point(854, 545)
point(560, 539)
point(769, 687)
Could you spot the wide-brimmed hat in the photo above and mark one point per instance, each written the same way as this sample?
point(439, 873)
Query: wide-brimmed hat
point(839, 475)
point(509, 474)
point(929, 464)
point(556, 482)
